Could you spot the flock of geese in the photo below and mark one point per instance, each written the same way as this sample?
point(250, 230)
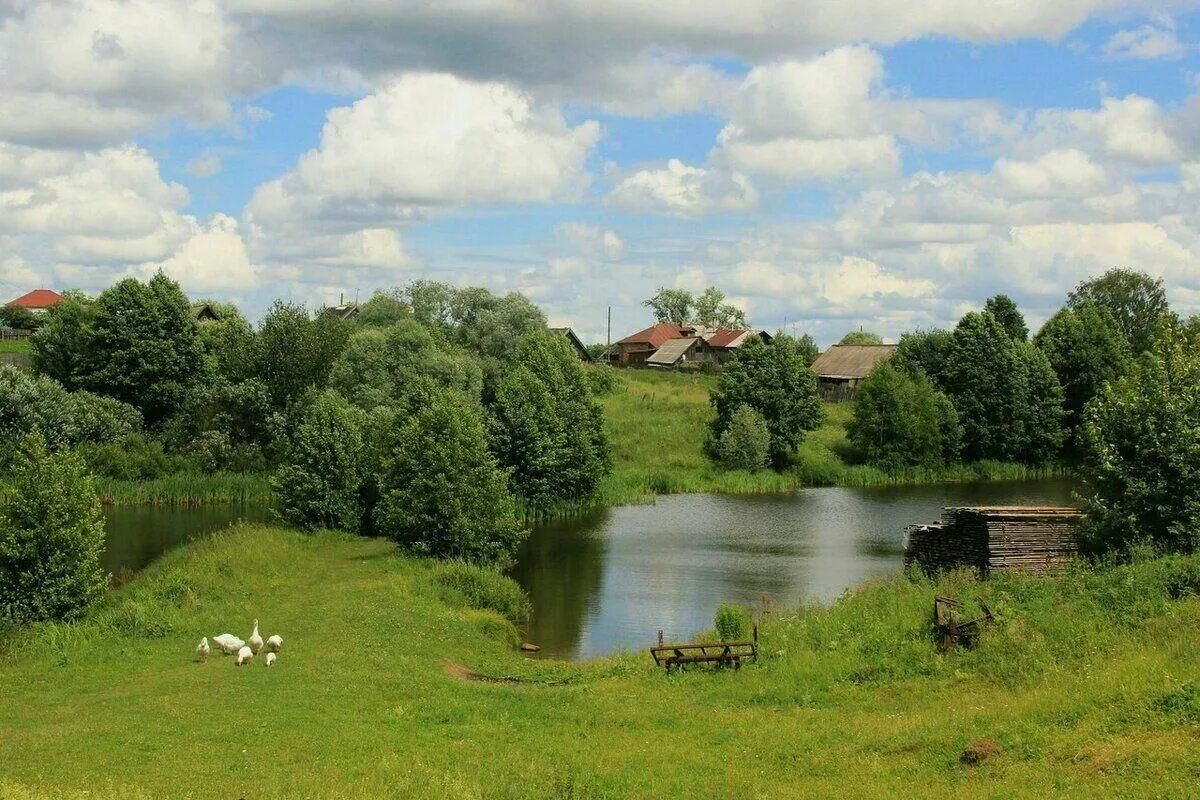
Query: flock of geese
point(245, 650)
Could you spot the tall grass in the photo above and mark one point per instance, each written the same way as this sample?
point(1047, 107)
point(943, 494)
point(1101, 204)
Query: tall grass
point(187, 490)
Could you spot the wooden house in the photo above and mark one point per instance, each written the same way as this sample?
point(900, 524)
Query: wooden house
point(682, 343)
point(841, 368)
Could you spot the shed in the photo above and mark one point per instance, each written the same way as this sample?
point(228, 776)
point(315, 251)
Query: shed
point(677, 351)
point(636, 348)
point(570, 336)
point(841, 368)
point(989, 538)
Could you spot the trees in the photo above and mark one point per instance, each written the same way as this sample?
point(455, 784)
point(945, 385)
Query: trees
point(1137, 302)
point(671, 305)
point(901, 421)
point(806, 345)
point(746, 443)
point(545, 427)
point(51, 538)
point(34, 404)
point(296, 352)
point(1005, 311)
point(774, 380)
point(19, 318)
point(60, 347)
point(861, 337)
point(143, 347)
point(1086, 350)
point(1142, 454)
point(712, 311)
point(441, 492)
point(319, 484)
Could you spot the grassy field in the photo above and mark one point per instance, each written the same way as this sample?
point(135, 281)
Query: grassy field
point(17, 346)
point(657, 422)
point(392, 684)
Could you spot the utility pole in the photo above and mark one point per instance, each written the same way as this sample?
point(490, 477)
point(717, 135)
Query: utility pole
point(608, 339)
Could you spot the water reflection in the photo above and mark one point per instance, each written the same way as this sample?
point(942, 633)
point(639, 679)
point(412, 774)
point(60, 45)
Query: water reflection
point(138, 535)
point(611, 581)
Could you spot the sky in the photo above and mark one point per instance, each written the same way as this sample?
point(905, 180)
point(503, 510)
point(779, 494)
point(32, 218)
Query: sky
point(830, 166)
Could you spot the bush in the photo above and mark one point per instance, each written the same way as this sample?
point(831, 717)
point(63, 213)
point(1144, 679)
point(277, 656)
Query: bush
point(51, 538)
point(19, 318)
point(486, 588)
point(602, 379)
point(131, 458)
point(902, 421)
point(732, 623)
point(746, 443)
point(441, 492)
point(320, 482)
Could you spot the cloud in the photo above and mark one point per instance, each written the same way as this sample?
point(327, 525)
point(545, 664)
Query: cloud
point(204, 166)
point(592, 241)
point(1145, 42)
point(682, 190)
point(213, 259)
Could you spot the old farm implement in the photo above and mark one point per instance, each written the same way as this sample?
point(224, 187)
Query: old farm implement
point(954, 630)
point(722, 654)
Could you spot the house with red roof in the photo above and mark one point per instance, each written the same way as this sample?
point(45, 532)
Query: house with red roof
point(39, 301)
point(668, 344)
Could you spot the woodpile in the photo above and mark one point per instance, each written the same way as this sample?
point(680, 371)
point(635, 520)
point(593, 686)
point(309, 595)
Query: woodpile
point(986, 538)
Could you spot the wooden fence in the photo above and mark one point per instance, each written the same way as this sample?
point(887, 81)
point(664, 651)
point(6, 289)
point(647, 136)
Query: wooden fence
point(12, 334)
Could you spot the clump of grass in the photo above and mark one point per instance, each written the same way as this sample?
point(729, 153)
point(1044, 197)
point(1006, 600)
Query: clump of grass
point(484, 588)
point(731, 622)
point(187, 489)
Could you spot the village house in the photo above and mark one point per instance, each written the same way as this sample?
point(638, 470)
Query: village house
point(204, 313)
point(841, 368)
point(670, 345)
point(39, 301)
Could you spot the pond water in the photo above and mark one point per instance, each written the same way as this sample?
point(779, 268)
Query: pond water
point(612, 580)
point(138, 535)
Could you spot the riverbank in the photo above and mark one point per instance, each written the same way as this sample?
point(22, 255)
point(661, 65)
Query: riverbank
point(392, 682)
point(657, 423)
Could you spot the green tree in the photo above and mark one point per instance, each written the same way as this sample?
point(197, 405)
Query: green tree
point(1008, 315)
point(712, 311)
point(51, 538)
point(903, 421)
point(774, 380)
point(61, 346)
point(861, 337)
point(671, 305)
point(143, 347)
point(229, 345)
point(746, 443)
point(430, 302)
point(19, 318)
point(296, 352)
point(1086, 350)
point(1137, 302)
point(806, 345)
point(925, 352)
point(441, 491)
point(1142, 458)
point(36, 405)
point(545, 427)
point(320, 482)
point(384, 309)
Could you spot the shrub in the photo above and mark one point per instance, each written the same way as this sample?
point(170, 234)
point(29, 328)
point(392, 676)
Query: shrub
point(732, 622)
point(60, 347)
point(19, 318)
point(212, 451)
point(903, 421)
point(51, 538)
point(861, 337)
point(487, 588)
point(746, 443)
point(320, 482)
point(130, 458)
point(441, 492)
point(602, 379)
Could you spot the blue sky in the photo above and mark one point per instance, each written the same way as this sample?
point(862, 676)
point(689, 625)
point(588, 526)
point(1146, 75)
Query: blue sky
point(889, 166)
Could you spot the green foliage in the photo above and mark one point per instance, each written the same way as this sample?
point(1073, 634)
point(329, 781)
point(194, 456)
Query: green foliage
point(671, 305)
point(1008, 315)
point(807, 346)
point(61, 346)
point(1137, 303)
point(229, 345)
point(143, 347)
point(441, 491)
point(1086, 351)
point(296, 352)
point(487, 588)
point(130, 458)
point(602, 379)
point(1142, 456)
point(861, 337)
point(746, 443)
point(902, 421)
point(713, 312)
point(544, 426)
point(923, 351)
point(34, 404)
point(51, 538)
point(774, 380)
point(320, 482)
point(732, 623)
point(19, 318)
point(384, 309)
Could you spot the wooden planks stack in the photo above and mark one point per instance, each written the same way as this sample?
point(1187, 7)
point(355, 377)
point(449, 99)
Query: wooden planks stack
point(986, 538)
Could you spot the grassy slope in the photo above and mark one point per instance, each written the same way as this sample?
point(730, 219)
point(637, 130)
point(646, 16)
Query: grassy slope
point(657, 422)
point(1085, 687)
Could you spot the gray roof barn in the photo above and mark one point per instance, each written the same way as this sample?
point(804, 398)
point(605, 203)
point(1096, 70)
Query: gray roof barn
point(852, 361)
point(674, 351)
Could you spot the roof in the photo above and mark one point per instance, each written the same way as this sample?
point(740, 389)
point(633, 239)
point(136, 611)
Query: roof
point(38, 298)
point(349, 311)
point(669, 354)
point(657, 335)
point(852, 360)
point(204, 312)
point(730, 338)
point(570, 336)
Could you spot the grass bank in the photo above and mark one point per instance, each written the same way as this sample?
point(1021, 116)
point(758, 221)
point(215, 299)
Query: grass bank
point(185, 489)
point(657, 422)
point(398, 678)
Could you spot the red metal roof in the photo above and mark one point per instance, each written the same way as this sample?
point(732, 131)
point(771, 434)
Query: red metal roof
point(38, 298)
point(723, 337)
point(657, 335)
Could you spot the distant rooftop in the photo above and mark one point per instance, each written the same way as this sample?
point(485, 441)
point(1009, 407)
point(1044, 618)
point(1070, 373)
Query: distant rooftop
point(852, 361)
point(38, 299)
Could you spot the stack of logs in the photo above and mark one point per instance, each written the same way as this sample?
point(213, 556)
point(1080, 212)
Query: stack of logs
point(1035, 538)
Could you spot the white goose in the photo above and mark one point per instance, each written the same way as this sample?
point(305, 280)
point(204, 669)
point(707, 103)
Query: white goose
point(271, 659)
point(255, 641)
point(202, 650)
point(275, 644)
point(228, 643)
point(244, 656)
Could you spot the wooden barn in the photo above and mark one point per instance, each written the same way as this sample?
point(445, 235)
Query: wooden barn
point(669, 345)
point(988, 538)
point(841, 368)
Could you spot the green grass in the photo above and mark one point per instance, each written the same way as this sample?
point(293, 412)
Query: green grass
point(185, 489)
point(1088, 685)
point(657, 422)
point(16, 346)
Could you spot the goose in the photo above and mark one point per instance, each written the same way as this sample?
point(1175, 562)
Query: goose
point(255, 641)
point(244, 656)
point(275, 643)
point(202, 650)
point(271, 659)
point(228, 643)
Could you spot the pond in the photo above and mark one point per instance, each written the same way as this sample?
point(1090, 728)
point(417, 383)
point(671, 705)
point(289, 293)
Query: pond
point(139, 534)
point(612, 580)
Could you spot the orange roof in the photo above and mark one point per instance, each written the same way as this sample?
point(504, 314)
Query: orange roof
point(38, 298)
point(724, 337)
point(657, 335)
